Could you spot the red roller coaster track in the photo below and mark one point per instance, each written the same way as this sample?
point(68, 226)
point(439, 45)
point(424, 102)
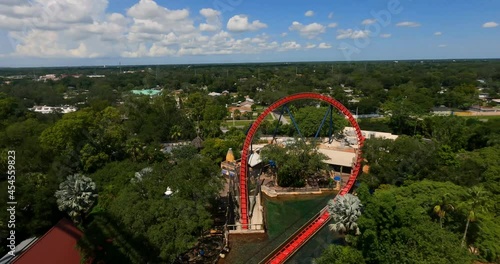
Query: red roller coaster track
point(314, 225)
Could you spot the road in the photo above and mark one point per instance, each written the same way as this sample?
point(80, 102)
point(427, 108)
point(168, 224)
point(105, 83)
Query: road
point(284, 120)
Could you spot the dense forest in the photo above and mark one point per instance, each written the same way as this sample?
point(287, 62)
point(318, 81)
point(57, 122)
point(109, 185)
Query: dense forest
point(430, 196)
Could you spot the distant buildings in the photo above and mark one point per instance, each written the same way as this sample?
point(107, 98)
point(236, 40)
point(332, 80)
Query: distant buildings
point(242, 107)
point(53, 109)
point(47, 77)
point(442, 111)
point(149, 92)
point(479, 108)
point(218, 94)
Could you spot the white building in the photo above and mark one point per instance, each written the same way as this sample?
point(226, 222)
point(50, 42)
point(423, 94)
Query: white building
point(51, 109)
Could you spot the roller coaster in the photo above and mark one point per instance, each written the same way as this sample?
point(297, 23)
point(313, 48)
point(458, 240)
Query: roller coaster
point(299, 238)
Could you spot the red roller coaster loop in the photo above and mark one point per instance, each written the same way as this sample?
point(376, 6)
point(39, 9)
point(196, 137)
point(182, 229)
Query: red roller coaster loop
point(253, 129)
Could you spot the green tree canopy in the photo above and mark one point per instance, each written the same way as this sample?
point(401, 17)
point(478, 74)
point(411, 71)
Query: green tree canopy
point(296, 162)
point(76, 195)
point(309, 119)
point(336, 254)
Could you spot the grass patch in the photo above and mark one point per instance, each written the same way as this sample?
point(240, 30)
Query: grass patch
point(237, 123)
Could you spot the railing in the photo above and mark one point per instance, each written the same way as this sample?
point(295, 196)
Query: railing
point(250, 227)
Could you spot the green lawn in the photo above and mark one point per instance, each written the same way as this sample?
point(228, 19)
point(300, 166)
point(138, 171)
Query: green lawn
point(240, 123)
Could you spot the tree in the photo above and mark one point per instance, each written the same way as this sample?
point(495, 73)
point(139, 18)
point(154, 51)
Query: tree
point(8, 109)
point(396, 161)
point(169, 226)
point(309, 119)
point(345, 211)
point(36, 204)
point(176, 132)
point(396, 226)
point(476, 201)
point(442, 208)
point(216, 148)
point(134, 149)
point(236, 114)
point(336, 254)
point(297, 162)
point(450, 130)
point(153, 120)
point(76, 195)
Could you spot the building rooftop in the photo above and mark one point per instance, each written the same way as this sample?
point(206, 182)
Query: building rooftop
point(337, 157)
point(149, 92)
point(57, 246)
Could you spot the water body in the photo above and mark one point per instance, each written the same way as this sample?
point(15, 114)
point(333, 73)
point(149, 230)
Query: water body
point(314, 247)
point(284, 216)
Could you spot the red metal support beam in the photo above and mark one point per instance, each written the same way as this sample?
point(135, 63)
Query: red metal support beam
point(260, 119)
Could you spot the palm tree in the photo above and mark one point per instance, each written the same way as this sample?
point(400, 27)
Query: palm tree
point(76, 195)
point(345, 211)
point(134, 149)
point(176, 132)
point(442, 208)
point(475, 202)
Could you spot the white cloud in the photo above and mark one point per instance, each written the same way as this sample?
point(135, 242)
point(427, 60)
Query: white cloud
point(330, 16)
point(332, 25)
point(146, 29)
point(408, 24)
point(308, 31)
point(310, 46)
point(48, 45)
point(212, 17)
point(43, 14)
point(438, 33)
point(209, 12)
point(324, 45)
point(283, 34)
point(155, 50)
point(239, 23)
point(150, 18)
point(289, 45)
point(369, 21)
point(309, 13)
point(490, 24)
point(208, 27)
point(352, 34)
point(386, 35)
point(149, 10)
point(442, 46)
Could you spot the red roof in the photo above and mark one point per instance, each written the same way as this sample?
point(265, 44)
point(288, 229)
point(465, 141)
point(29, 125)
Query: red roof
point(57, 246)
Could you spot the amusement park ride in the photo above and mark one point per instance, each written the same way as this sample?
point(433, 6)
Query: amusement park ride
point(287, 249)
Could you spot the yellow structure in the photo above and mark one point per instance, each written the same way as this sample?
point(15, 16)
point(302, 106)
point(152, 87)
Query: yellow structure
point(230, 155)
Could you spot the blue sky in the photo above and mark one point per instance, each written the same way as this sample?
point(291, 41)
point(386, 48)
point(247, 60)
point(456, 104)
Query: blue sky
point(96, 32)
